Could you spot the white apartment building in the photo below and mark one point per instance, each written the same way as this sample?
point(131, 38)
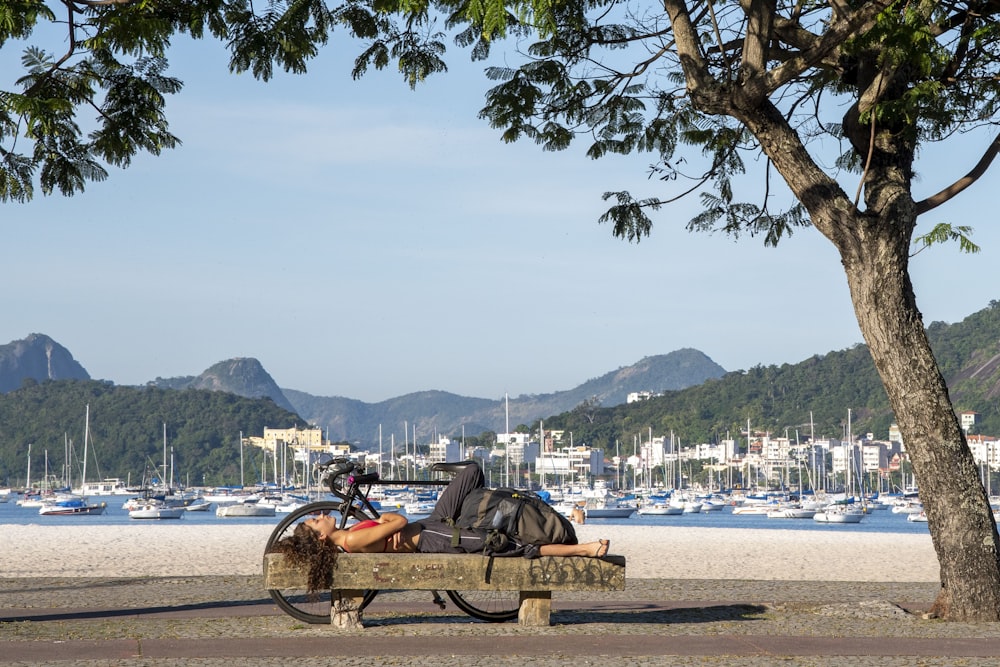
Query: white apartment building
point(570, 463)
point(968, 420)
point(444, 450)
point(985, 450)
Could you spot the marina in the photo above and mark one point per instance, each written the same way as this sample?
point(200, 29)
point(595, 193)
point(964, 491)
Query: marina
point(875, 521)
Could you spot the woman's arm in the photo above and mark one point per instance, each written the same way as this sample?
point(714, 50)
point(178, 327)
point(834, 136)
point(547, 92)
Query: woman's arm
point(372, 540)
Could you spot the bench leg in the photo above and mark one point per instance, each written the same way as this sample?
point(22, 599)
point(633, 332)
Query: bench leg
point(535, 608)
point(345, 610)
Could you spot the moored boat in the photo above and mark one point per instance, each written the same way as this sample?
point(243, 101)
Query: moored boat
point(156, 510)
point(245, 510)
point(198, 506)
point(71, 506)
point(791, 512)
point(418, 508)
point(838, 514)
point(597, 510)
point(712, 505)
point(659, 509)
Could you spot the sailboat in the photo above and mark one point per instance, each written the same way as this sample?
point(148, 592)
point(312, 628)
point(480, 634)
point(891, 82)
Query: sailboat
point(154, 508)
point(31, 498)
point(75, 504)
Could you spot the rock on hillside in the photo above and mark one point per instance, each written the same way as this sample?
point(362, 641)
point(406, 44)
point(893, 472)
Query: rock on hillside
point(37, 357)
point(242, 376)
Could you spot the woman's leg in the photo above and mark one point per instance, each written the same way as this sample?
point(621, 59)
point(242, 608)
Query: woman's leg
point(598, 549)
point(438, 532)
point(449, 505)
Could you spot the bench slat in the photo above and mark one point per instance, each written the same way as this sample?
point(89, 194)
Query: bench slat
point(457, 572)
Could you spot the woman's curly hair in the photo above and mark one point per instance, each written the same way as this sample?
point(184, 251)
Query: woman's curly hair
point(305, 548)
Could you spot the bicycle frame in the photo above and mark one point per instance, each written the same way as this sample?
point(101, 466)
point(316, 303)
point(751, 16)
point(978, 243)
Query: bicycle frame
point(359, 487)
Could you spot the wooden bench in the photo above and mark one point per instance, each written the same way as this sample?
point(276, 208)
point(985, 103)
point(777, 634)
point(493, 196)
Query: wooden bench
point(534, 578)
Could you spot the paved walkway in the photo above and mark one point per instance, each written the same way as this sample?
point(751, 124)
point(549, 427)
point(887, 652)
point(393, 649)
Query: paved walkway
point(759, 623)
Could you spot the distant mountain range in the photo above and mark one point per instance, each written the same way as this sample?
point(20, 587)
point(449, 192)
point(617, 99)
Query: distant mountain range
point(40, 358)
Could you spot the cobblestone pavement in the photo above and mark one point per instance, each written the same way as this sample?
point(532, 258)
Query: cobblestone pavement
point(212, 620)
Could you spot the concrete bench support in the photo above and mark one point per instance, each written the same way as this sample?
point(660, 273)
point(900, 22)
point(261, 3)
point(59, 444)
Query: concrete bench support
point(535, 579)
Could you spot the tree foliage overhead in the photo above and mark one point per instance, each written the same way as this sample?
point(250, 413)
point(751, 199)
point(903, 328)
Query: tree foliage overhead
point(616, 74)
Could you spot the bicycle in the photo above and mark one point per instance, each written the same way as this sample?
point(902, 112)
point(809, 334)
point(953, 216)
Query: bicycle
point(351, 484)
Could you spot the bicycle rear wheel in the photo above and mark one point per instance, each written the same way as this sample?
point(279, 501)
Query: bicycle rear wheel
point(298, 602)
point(492, 606)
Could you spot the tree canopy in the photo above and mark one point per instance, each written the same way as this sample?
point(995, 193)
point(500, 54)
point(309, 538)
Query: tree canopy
point(624, 77)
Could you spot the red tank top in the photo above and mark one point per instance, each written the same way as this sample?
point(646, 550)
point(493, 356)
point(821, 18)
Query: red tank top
point(361, 525)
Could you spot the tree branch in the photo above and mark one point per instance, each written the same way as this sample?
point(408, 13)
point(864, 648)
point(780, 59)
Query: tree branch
point(854, 24)
point(699, 80)
point(71, 26)
point(760, 21)
point(964, 182)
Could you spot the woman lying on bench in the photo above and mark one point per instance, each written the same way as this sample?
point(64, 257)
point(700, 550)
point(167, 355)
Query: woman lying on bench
point(315, 542)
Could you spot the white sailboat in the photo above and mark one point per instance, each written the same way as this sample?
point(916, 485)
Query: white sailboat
point(75, 503)
point(156, 509)
point(839, 514)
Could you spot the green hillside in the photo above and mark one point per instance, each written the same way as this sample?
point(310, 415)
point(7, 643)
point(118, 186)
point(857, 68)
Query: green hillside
point(813, 396)
point(126, 431)
point(810, 397)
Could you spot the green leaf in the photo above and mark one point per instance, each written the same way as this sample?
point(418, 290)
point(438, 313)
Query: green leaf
point(944, 232)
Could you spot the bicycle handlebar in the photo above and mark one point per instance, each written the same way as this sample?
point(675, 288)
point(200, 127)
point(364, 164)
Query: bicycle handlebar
point(364, 478)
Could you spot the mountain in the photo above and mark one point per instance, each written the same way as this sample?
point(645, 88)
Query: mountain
point(241, 376)
point(37, 357)
point(701, 400)
point(441, 412)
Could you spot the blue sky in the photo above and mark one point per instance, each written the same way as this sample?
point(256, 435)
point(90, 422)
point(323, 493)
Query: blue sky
point(364, 240)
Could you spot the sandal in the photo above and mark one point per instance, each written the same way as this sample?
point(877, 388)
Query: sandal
point(602, 548)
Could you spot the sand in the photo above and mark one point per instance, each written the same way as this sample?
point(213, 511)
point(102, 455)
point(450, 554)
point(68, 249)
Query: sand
point(652, 552)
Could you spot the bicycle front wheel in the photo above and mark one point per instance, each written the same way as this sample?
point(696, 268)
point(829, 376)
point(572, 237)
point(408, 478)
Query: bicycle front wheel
point(311, 607)
point(492, 606)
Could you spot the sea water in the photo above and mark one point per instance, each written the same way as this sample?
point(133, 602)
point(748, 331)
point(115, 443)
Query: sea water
point(877, 521)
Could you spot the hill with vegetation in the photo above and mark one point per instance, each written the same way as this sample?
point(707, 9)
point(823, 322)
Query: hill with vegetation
point(242, 376)
point(812, 397)
point(126, 431)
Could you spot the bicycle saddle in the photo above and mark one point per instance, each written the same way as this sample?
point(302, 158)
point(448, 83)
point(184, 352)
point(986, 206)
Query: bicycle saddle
point(452, 467)
point(339, 466)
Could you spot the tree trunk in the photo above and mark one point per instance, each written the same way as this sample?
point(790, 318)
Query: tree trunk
point(958, 511)
point(874, 250)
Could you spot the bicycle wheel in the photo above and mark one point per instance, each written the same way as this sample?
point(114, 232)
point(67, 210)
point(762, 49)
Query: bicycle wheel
point(492, 606)
point(298, 602)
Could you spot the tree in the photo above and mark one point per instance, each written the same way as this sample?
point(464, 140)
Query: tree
point(701, 87)
point(588, 408)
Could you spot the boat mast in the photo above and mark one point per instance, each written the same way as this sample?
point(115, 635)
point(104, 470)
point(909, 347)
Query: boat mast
point(163, 477)
point(506, 448)
point(86, 434)
point(242, 478)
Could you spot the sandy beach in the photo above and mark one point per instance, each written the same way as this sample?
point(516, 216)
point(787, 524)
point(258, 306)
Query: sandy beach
point(652, 552)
